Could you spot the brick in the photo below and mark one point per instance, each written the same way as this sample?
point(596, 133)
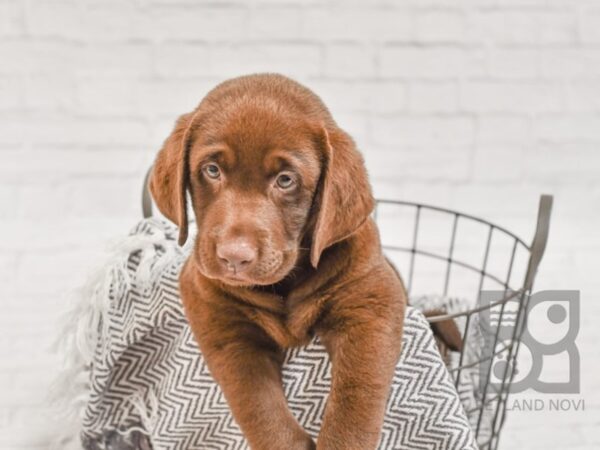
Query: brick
point(500, 162)
point(343, 96)
point(557, 127)
point(295, 60)
point(433, 97)
point(559, 436)
point(357, 24)
point(274, 23)
point(88, 131)
point(196, 23)
point(161, 129)
point(70, 232)
point(170, 99)
point(11, 93)
point(46, 165)
point(440, 26)
point(50, 93)
point(583, 96)
point(92, 22)
point(347, 96)
point(37, 326)
point(21, 438)
point(117, 22)
point(502, 27)
point(102, 197)
point(305, 3)
point(525, 27)
point(356, 124)
point(8, 266)
point(571, 62)
point(179, 60)
point(410, 163)
point(53, 271)
point(55, 19)
point(12, 130)
point(431, 62)
point(558, 27)
point(526, 97)
point(107, 96)
point(349, 61)
point(112, 58)
point(9, 199)
point(483, 4)
point(498, 129)
point(514, 63)
point(513, 206)
point(389, 97)
point(11, 18)
point(423, 130)
point(43, 201)
point(590, 25)
point(21, 57)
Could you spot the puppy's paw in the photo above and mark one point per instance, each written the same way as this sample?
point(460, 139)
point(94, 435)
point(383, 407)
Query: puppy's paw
point(303, 442)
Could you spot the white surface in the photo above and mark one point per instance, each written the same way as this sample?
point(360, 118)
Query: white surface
point(478, 105)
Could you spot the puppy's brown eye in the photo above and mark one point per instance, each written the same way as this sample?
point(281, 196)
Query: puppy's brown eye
point(212, 171)
point(284, 181)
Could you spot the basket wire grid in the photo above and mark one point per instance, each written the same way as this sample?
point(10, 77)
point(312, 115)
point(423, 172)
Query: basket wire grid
point(516, 287)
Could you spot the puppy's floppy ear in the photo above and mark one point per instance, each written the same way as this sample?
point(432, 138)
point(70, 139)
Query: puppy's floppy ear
point(344, 200)
point(170, 174)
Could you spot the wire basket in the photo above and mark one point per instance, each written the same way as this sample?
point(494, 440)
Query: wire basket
point(455, 255)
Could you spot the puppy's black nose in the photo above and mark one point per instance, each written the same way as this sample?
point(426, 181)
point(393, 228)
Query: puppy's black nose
point(236, 255)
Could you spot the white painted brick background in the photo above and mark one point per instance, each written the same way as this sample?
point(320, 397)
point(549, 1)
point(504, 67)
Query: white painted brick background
point(478, 105)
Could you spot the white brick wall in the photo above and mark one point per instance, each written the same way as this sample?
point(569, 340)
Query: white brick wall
point(479, 105)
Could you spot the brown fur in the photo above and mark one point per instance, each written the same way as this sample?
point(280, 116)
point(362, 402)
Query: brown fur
point(319, 267)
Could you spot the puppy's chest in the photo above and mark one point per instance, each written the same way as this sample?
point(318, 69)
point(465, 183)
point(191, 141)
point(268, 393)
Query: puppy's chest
point(292, 328)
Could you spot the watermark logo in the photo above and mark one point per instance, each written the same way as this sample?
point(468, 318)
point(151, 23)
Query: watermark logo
point(549, 327)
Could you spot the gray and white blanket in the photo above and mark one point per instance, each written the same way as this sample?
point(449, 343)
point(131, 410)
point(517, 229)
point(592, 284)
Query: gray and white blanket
point(145, 384)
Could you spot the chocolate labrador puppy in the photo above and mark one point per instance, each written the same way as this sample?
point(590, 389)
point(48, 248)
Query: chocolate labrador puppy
point(285, 250)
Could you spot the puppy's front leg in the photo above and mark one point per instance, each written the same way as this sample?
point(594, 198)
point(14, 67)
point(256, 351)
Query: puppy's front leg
point(364, 348)
point(247, 366)
point(250, 379)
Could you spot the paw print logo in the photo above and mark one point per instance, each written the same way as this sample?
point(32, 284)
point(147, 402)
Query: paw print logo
point(502, 366)
point(549, 329)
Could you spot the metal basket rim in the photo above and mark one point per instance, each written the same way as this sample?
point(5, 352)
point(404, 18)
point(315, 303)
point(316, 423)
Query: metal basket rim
point(453, 212)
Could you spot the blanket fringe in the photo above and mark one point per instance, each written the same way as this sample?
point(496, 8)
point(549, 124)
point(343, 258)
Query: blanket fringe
point(83, 328)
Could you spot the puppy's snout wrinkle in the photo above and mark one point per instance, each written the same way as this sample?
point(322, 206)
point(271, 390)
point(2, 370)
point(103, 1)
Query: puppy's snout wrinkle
point(236, 254)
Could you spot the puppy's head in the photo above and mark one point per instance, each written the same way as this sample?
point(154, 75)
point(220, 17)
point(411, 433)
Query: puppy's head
point(269, 174)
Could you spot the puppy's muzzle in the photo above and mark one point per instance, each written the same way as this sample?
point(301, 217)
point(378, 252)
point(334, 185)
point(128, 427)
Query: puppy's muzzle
point(236, 255)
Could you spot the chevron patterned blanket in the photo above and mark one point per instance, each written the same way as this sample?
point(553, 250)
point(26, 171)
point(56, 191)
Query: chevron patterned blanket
point(147, 386)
